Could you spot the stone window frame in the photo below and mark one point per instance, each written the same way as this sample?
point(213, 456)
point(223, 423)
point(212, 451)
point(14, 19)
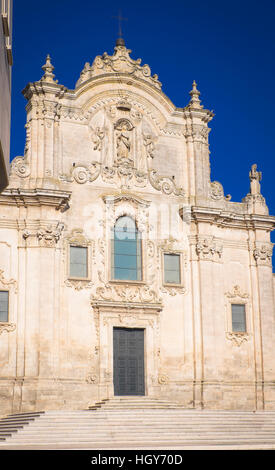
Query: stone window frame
point(6, 290)
point(143, 281)
point(9, 286)
point(236, 296)
point(245, 317)
point(181, 255)
point(78, 239)
point(79, 278)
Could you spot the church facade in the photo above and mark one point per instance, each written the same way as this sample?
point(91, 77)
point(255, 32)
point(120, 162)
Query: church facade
point(124, 270)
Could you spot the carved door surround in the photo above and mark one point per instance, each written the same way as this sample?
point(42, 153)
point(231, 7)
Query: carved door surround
point(107, 316)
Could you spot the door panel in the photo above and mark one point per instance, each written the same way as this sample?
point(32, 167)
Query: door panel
point(129, 361)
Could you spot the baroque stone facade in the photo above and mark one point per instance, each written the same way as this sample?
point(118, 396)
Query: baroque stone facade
point(116, 146)
point(6, 7)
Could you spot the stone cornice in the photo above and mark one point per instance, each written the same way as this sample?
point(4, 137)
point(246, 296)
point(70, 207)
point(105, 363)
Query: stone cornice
point(122, 306)
point(36, 197)
point(123, 79)
point(124, 197)
point(230, 219)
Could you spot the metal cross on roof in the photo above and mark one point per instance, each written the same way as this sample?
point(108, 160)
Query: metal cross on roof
point(120, 19)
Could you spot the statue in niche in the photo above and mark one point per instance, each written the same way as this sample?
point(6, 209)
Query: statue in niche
point(123, 142)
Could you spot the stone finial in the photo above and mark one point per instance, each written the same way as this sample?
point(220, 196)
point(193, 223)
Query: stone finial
point(255, 178)
point(48, 69)
point(194, 93)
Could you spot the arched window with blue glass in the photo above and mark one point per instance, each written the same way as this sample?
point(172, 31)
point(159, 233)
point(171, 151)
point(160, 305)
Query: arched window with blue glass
point(126, 250)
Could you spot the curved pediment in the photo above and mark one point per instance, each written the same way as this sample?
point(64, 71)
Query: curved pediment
point(119, 62)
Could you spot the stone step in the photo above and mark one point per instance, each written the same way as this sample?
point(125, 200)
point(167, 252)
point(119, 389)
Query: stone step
point(134, 422)
point(3, 430)
point(137, 423)
point(27, 414)
point(176, 412)
point(153, 439)
point(161, 445)
point(150, 418)
point(146, 427)
point(103, 436)
point(17, 419)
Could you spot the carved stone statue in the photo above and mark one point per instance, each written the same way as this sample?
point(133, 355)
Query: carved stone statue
point(123, 142)
point(255, 178)
point(97, 137)
point(149, 145)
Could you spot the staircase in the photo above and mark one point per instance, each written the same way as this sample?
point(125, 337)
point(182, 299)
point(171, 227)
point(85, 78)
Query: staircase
point(138, 423)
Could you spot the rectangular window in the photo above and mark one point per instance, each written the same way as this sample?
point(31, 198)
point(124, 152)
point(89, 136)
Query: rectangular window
point(172, 268)
point(238, 317)
point(4, 306)
point(78, 261)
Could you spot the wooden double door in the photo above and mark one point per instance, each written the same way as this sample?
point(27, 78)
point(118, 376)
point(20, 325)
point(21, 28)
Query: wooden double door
point(128, 344)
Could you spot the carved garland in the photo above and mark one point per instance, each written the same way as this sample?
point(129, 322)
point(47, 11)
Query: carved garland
point(209, 249)
point(263, 255)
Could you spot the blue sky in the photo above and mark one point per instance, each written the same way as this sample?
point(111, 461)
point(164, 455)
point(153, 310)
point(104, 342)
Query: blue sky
point(228, 47)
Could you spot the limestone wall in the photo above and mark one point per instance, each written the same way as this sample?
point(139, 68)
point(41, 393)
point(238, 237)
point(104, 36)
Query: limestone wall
point(92, 155)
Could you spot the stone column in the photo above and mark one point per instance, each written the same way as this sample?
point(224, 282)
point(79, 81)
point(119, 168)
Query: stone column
point(266, 320)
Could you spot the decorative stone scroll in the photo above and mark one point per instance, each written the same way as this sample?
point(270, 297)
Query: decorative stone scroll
point(236, 293)
point(216, 192)
point(20, 167)
point(7, 284)
point(8, 327)
point(126, 294)
point(79, 284)
point(83, 173)
point(119, 62)
point(237, 338)
point(163, 379)
point(92, 377)
point(165, 184)
point(123, 176)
